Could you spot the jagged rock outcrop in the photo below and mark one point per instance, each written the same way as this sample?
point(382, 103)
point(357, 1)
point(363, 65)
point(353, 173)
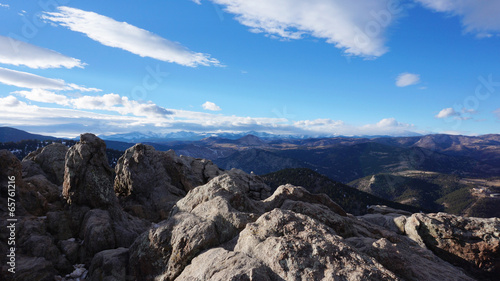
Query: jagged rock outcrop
point(219, 225)
point(472, 243)
point(88, 188)
point(150, 182)
point(88, 179)
point(208, 216)
point(50, 159)
point(291, 235)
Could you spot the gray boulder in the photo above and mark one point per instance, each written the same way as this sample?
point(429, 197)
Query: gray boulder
point(88, 179)
point(150, 182)
point(219, 264)
point(50, 159)
point(472, 243)
point(109, 265)
point(297, 247)
point(408, 260)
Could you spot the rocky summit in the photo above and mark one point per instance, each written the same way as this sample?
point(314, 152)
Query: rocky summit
point(160, 216)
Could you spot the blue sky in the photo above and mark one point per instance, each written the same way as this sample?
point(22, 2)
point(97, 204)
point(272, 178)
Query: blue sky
point(320, 67)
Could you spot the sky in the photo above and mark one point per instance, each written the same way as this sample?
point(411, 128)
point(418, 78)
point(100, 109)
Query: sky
point(286, 67)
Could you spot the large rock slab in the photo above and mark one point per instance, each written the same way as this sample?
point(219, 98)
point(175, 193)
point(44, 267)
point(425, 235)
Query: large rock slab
point(219, 264)
point(408, 260)
point(163, 251)
point(297, 247)
point(472, 243)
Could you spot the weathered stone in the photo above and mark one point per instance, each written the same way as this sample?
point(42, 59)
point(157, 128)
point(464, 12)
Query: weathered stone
point(149, 182)
point(408, 260)
point(167, 249)
point(51, 159)
point(50, 191)
point(41, 246)
point(66, 224)
point(30, 169)
point(97, 232)
point(472, 243)
point(70, 248)
point(384, 210)
point(109, 265)
point(221, 265)
point(392, 221)
point(297, 247)
point(290, 192)
point(340, 224)
point(33, 268)
point(88, 179)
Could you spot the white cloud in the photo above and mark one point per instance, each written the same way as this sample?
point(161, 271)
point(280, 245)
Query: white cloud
point(28, 80)
point(17, 53)
point(447, 112)
point(32, 81)
point(211, 106)
point(463, 114)
point(112, 33)
point(122, 105)
point(407, 79)
point(108, 102)
point(480, 17)
point(4, 5)
point(387, 126)
point(357, 27)
point(151, 117)
point(45, 96)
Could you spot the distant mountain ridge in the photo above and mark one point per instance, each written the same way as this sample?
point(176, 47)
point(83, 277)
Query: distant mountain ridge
point(341, 158)
point(8, 134)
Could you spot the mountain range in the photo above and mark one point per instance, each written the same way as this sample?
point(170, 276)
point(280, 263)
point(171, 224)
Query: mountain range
point(160, 216)
point(449, 173)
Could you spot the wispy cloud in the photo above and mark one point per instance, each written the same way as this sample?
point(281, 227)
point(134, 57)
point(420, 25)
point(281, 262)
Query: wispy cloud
point(107, 102)
point(357, 27)
point(407, 79)
point(387, 126)
point(122, 105)
point(480, 17)
point(112, 33)
point(211, 106)
point(32, 81)
point(41, 95)
point(17, 52)
point(463, 114)
point(4, 5)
